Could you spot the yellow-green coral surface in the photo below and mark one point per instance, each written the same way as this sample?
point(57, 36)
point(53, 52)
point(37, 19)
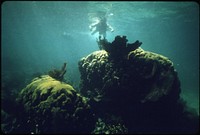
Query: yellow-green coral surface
point(54, 106)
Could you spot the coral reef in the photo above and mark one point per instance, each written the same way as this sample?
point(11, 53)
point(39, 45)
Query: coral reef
point(123, 89)
point(150, 75)
point(50, 106)
point(119, 48)
point(140, 86)
point(103, 127)
point(58, 74)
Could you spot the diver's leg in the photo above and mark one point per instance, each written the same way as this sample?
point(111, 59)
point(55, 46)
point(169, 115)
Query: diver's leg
point(104, 35)
point(95, 31)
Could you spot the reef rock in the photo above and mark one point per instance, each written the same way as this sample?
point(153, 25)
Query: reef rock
point(51, 106)
point(143, 75)
point(142, 88)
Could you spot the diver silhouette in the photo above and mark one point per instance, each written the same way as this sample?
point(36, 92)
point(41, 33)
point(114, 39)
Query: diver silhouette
point(101, 26)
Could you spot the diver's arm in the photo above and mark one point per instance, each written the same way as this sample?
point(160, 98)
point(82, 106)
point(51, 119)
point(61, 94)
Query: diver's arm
point(93, 25)
point(110, 27)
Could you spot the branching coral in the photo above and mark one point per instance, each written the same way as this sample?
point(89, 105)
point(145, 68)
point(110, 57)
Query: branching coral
point(58, 74)
point(119, 48)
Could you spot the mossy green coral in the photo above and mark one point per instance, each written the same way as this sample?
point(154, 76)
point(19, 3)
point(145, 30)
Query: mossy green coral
point(55, 106)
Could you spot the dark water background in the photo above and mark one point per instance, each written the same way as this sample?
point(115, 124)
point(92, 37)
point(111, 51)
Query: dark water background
point(39, 36)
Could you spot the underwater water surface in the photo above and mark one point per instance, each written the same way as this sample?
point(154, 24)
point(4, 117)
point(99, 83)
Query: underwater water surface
point(40, 36)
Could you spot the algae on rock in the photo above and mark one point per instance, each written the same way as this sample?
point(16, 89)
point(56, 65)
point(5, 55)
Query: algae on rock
point(55, 107)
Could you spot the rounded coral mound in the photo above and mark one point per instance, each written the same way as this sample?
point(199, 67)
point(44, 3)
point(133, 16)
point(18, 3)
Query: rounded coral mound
point(142, 88)
point(51, 106)
point(146, 76)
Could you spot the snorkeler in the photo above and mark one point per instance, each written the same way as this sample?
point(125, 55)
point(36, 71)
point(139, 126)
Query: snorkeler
point(101, 26)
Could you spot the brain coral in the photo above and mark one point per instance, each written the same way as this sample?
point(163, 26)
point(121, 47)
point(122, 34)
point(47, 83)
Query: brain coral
point(144, 75)
point(51, 106)
point(142, 88)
